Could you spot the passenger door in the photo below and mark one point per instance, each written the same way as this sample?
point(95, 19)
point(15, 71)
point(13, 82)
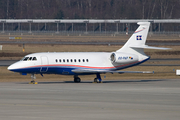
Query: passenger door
point(44, 63)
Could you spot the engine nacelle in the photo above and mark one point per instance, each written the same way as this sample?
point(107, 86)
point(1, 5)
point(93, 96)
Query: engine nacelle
point(122, 58)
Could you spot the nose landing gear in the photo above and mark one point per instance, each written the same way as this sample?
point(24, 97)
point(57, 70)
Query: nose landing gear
point(32, 81)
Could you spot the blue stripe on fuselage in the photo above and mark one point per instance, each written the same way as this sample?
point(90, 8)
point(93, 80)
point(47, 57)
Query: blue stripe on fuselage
point(67, 70)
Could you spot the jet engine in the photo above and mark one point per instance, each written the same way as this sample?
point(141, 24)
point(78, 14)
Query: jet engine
point(123, 58)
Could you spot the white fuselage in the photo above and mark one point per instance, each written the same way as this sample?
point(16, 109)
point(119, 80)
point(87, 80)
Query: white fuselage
point(64, 63)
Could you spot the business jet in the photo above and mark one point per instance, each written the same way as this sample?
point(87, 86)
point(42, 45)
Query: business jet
point(87, 63)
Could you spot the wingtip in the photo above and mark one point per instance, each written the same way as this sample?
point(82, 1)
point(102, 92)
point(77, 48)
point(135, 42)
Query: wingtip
point(148, 72)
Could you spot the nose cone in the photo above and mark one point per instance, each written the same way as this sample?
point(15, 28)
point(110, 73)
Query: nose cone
point(9, 68)
point(12, 67)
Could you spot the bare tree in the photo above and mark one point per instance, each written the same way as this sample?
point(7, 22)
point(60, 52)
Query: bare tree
point(143, 9)
point(128, 9)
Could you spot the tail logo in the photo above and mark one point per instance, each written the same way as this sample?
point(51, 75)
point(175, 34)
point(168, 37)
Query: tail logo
point(139, 37)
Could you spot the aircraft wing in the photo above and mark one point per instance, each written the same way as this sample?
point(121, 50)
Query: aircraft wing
point(107, 71)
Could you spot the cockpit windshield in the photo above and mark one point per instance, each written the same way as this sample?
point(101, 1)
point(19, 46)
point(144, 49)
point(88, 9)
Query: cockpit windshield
point(22, 59)
point(34, 58)
point(29, 59)
point(25, 59)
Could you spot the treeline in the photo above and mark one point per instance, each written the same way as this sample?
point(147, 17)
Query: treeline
point(89, 9)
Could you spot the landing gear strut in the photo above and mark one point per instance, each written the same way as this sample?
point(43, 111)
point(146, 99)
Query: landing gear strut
point(77, 79)
point(98, 78)
point(32, 81)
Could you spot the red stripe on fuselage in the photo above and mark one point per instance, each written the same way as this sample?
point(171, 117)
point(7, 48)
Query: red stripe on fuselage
point(83, 66)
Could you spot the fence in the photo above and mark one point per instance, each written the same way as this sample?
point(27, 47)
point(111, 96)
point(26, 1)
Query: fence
point(82, 33)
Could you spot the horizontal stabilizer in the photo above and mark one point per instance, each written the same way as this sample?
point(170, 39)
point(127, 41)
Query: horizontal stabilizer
point(149, 47)
point(107, 71)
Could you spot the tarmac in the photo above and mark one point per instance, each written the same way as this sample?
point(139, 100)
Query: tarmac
point(157, 99)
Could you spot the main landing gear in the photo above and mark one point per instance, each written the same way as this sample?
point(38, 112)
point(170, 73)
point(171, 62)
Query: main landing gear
point(32, 81)
point(77, 79)
point(96, 80)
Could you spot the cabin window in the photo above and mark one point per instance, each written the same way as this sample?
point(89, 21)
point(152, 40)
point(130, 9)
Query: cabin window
point(83, 60)
point(74, 60)
point(79, 60)
point(34, 58)
point(87, 60)
point(56, 60)
point(63, 60)
point(67, 60)
point(71, 60)
point(59, 60)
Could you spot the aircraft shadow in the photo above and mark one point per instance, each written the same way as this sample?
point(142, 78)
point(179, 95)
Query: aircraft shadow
point(105, 81)
point(132, 81)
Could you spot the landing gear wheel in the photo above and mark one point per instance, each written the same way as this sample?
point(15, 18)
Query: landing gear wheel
point(33, 82)
point(77, 80)
point(33, 77)
point(96, 80)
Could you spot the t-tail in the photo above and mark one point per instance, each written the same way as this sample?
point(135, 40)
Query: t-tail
point(136, 43)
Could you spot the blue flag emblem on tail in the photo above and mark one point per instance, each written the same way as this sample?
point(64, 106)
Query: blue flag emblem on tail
point(139, 37)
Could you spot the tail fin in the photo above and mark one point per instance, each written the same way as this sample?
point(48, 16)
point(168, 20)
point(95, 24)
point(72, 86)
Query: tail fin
point(138, 38)
point(136, 43)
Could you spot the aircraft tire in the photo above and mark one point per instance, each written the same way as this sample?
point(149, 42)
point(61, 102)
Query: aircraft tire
point(95, 80)
point(77, 80)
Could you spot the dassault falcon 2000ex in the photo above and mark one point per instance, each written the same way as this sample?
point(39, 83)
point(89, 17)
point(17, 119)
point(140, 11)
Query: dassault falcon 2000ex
point(86, 63)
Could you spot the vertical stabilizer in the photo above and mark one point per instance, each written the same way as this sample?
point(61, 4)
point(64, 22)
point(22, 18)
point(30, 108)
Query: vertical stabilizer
point(138, 38)
point(136, 43)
